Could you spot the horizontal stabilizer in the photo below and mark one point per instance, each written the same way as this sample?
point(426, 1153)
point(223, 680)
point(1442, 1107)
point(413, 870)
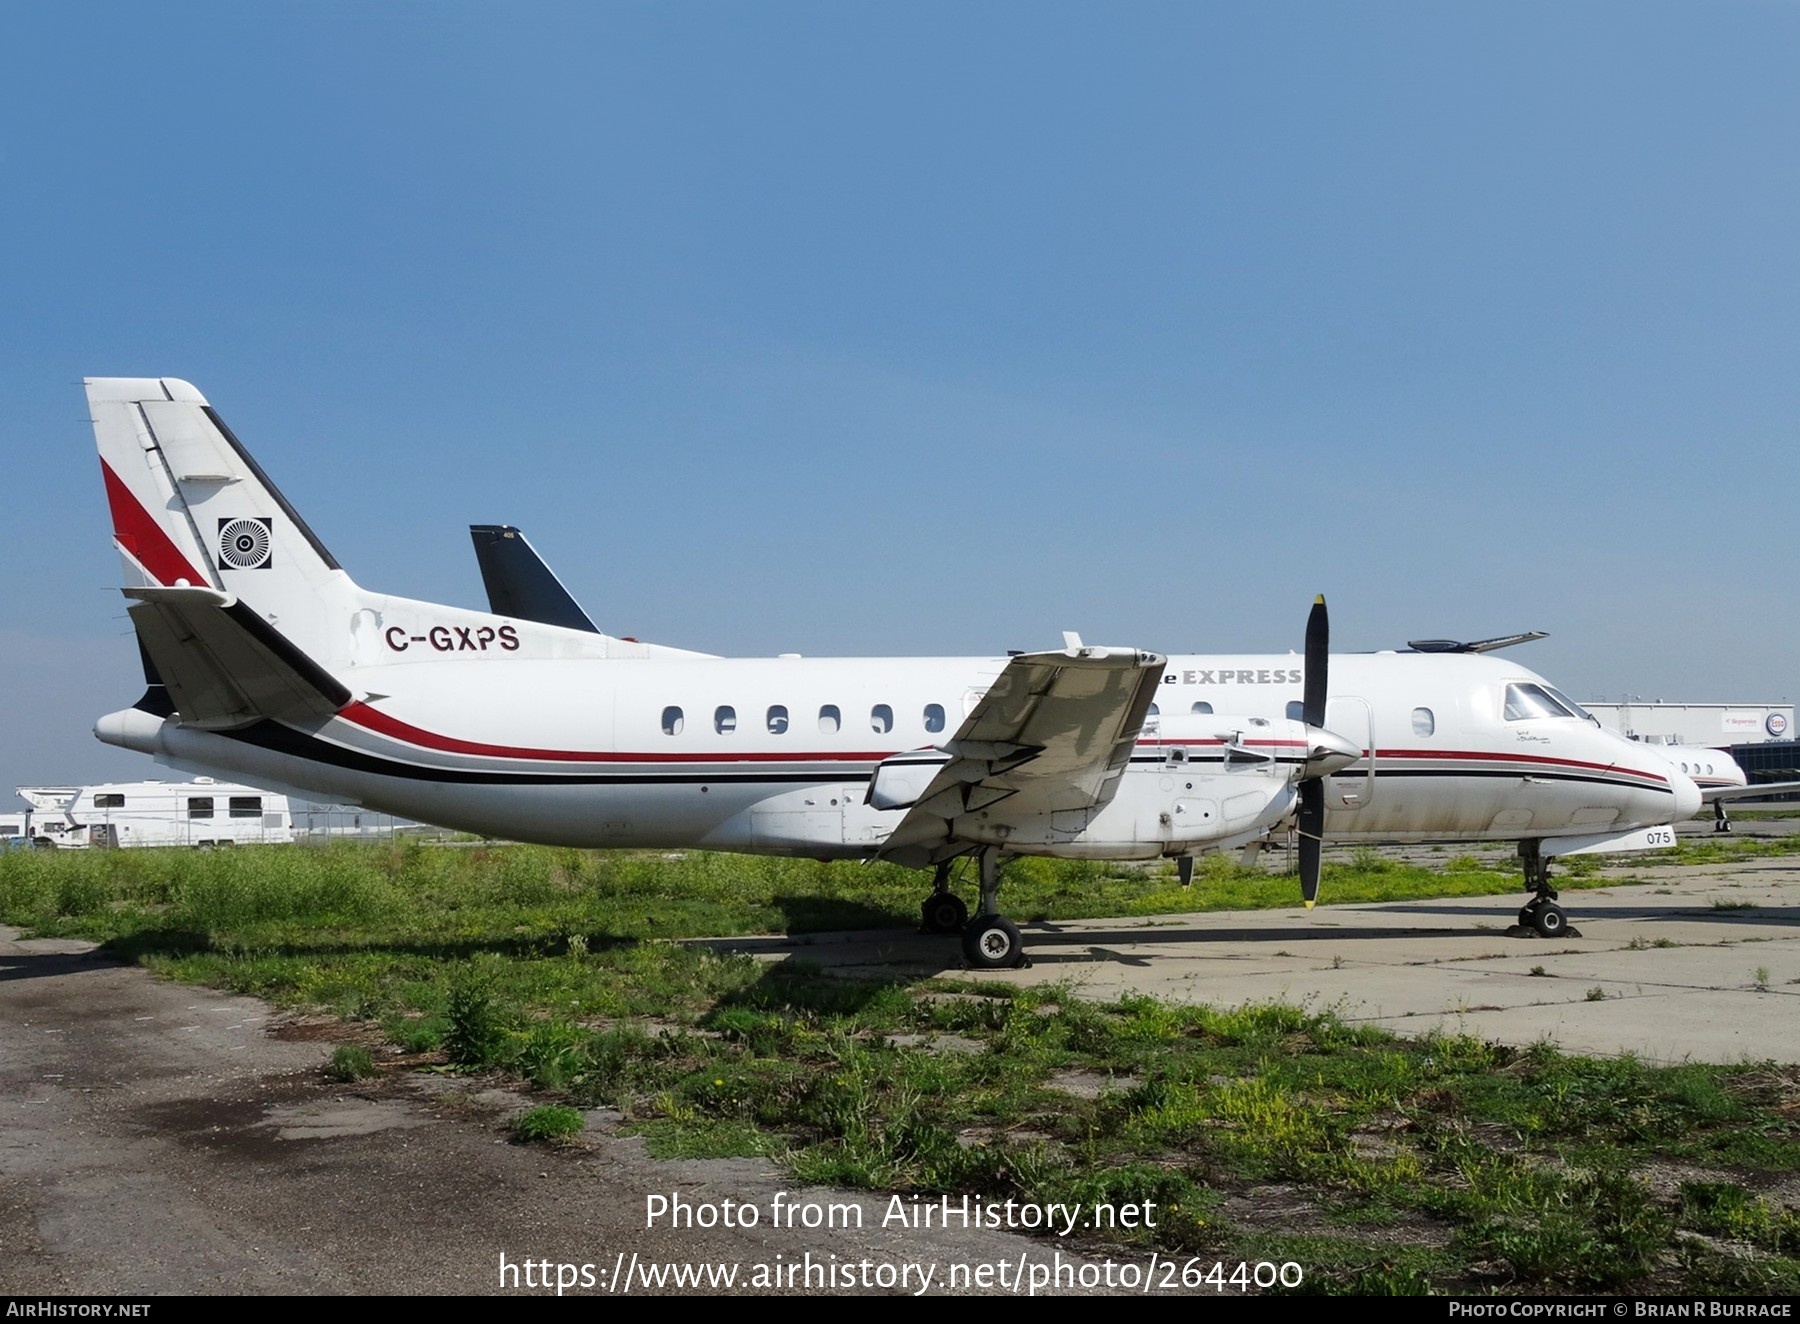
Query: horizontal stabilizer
point(224, 665)
point(519, 583)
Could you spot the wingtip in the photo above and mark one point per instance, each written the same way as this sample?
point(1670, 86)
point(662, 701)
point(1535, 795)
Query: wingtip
point(1311, 904)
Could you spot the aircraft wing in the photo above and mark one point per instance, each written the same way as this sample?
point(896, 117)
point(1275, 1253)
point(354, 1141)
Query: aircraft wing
point(224, 665)
point(1054, 732)
point(1708, 794)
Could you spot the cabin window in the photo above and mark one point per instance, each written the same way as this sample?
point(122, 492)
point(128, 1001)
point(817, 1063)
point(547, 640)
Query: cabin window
point(724, 719)
point(778, 719)
point(111, 800)
point(830, 719)
point(1153, 711)
point(934, 717)
point(881, 719)
point(246, 806)
point(1201, 709)
point(1296, 711)
point(671, 721)
point(200, 806)
point(1424, 723)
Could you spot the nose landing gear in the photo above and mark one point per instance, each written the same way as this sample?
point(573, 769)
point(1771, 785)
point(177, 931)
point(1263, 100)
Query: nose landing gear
point(1541, 912)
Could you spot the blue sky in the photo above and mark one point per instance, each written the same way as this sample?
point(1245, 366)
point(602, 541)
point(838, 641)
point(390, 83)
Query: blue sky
point(930, 328)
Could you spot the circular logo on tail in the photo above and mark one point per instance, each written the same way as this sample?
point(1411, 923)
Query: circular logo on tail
point(244, 544)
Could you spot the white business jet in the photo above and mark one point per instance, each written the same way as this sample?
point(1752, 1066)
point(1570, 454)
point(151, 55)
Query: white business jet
point(268, 663)
point(1720, 777)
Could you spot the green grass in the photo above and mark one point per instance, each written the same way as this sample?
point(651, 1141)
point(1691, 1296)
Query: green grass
point(350, 1062)
point(551, 1124)
point(1443, 1163)
point(1721, 848)
point(446, 901)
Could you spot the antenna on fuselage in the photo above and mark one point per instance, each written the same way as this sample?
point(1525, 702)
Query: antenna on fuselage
point(1474, 646)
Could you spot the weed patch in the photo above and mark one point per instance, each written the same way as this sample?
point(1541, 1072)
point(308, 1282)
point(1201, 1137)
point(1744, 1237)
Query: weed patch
point(548, 1125)
point(350, 1062)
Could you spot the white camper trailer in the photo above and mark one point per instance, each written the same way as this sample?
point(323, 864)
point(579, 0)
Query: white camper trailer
point(203, 812)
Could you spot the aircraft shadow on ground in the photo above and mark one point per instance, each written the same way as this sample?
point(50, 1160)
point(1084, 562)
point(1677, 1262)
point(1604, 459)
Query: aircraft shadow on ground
point(52, 965)
point(824, 914)
point(785, 988)
point(174, 943)
point(1048, 942)
point(1752, 914)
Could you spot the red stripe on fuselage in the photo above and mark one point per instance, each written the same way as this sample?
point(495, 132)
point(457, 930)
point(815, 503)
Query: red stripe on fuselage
point(144, 538)
point(360, 714)
point(1429, 754)
point(371, 719)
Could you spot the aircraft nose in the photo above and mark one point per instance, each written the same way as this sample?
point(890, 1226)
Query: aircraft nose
point(1327, 751)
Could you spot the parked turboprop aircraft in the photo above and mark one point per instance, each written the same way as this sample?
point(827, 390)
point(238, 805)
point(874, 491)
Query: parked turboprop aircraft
point(267, 662)
point(522, 585)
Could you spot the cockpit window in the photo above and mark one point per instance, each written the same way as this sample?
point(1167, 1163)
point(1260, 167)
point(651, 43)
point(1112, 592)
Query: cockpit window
point(1525, 702)
point(1571, 705)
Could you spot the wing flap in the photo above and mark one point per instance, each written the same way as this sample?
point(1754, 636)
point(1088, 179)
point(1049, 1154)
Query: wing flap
point(224, 666)
point(1053, 733)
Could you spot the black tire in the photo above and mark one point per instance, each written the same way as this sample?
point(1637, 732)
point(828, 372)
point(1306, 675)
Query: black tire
point(992, 942)
point(1528, 916)
point(943, 912)
point(1550, 921)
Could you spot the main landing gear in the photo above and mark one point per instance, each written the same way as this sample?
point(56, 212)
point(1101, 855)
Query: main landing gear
point(943, 911)
point(1541, 912)
point(1721, 820)
point(990, 941)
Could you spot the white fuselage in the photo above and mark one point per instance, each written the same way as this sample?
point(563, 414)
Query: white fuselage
point(775, 755)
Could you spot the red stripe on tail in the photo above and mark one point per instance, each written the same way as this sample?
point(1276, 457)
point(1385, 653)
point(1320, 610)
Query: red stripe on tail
point(144, 538)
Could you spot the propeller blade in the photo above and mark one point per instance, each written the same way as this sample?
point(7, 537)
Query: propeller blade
point(1318, 653)
point(1312, 829)
point(1312, 789)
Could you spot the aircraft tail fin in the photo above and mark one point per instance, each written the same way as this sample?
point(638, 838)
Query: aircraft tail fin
point(192, 509)
point(520, 584)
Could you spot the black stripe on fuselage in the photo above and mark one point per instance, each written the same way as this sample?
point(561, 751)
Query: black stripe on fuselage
point(1383, 774)
point(281, 739)
point(297, 744)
